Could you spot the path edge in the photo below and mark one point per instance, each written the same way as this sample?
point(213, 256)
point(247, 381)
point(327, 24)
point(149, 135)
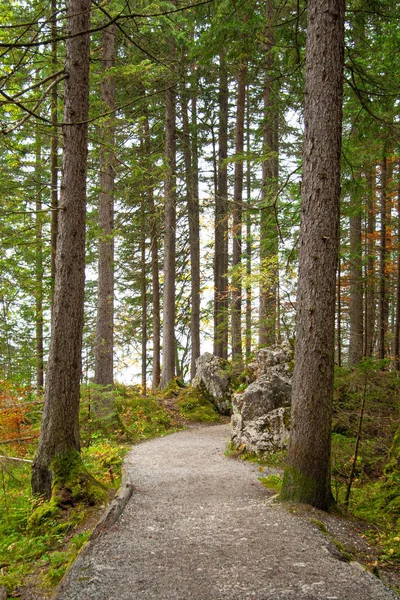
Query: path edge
point(110, 516)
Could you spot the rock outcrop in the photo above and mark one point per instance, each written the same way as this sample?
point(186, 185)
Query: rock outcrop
point(214, 380)
point(261, 413)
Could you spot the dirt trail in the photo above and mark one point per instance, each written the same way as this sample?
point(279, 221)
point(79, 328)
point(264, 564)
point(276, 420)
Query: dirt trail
point(199, 526)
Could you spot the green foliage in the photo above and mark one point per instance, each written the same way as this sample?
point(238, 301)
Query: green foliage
point(194, 406)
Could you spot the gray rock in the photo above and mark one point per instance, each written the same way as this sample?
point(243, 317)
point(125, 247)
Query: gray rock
point(214, 379)
point(3, 593)
point(261, 414)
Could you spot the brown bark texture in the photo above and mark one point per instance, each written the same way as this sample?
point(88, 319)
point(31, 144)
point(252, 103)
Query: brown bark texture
point(105, 300)
point(54, 147)
point(370, 279)
point(59, 433)
point(268, 226)
point(168, 354)
point(307, 476)
point(383, 304)
point(155, 273)
point(194, 237)
point(356, 291)
point(397, 323)
point(221, 301)
point(237, 352)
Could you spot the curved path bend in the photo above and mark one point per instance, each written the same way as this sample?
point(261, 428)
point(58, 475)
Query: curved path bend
point(199, 526)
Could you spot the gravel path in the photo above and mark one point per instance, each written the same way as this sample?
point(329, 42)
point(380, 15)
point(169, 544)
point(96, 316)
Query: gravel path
point(199, 525)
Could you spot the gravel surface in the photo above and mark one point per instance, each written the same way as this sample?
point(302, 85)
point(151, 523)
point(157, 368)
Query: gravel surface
point(199, 525)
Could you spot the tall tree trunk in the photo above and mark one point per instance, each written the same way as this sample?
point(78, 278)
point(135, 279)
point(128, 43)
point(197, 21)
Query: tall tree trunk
point(143, 295)
point(268, 228)
point(221, 302)
point(39, 275)
point(249, 240)
point(370, 279)
point(105, 301)
point(59, 435)
point(237, 352)
point(397, 324)
point(155, 276)
point(308, 474)
point(383, 315)
point(339, 315)
point(194, 237)
point(54, 148)
point(356, 288)
point(168, 357)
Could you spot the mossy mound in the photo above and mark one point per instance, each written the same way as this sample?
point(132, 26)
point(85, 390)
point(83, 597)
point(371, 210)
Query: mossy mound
point(193, 405)
point(72, 484)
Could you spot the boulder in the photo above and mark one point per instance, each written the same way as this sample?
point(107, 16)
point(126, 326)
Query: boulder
point(214, 380)
point(261, 413)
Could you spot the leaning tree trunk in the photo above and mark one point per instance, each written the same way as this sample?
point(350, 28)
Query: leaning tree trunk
point(59, 435)
point(103, 371)
point(221, 302)
point(307, 476)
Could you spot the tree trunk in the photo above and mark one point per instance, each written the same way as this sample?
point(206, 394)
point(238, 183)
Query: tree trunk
point(356, 289)
point(54, 149)
point(39, 276)
point(194, 238)
point(383, 314)
point(268, 228)
point(249, 241)
point(237, 352)
point(59, 435)
point(397, 324)
point(168, 360)
point(143, 296)
point(370, 279)
point(155, 278)
point(307, 476)
point(221, 302)
point(105, 301)
point(339, 316)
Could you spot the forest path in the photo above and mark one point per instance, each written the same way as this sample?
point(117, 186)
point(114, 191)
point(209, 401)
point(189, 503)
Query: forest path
point(199, 525)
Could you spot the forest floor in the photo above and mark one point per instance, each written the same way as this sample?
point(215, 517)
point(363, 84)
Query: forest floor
point(200, 525)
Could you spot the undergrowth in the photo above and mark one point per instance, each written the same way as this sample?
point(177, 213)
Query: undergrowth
point(38, 556)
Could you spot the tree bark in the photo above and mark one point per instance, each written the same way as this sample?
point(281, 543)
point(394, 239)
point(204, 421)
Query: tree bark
point(105, 300)
point(397, 324)
point(54, 149)
point(39, 271)
point(383, 307)
point(268, 228)
point(59, 433)
point(221, 301)
point(307, 476)
point(370, 279)
point(155, 277)
point(168, 357)
point(249, 242)
point(237, 351)
point(143, 296)
point(356, 289)
point(194, 238)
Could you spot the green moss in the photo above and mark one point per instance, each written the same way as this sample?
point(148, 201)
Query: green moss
point(193, 405)
point(297, 487)
point(272, 482)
